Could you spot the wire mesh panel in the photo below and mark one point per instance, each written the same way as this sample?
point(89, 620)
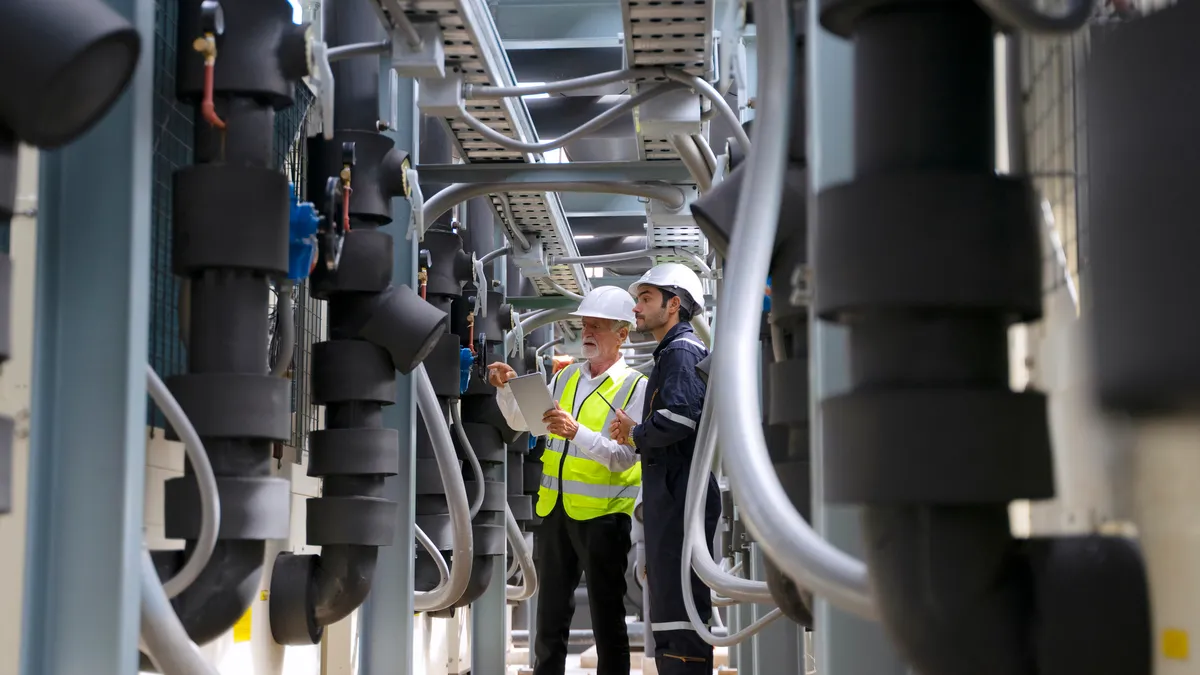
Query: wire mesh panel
point(172, 149)
point(1056, 146)
point(173, 137)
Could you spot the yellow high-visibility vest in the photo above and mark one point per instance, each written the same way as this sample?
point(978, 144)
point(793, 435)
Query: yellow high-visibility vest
point(589, 490)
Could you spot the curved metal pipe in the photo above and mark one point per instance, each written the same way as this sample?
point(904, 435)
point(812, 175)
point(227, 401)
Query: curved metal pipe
point(780, 530)
point(439, 204)
point(445, 595)
point(524, 558)
point(622, 256)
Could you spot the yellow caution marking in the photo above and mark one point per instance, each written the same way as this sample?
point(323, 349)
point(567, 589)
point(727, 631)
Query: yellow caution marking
point(241, 629)
point(1175, 644)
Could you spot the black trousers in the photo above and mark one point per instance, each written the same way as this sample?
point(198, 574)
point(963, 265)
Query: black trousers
point(678, 649)
point(567, 549)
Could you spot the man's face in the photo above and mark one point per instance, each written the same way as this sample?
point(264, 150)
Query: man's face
point(602, 338)
point(651, 312)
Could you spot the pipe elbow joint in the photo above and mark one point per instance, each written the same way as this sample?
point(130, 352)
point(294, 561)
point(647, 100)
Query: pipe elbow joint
point(958, 594)
point(309, 592)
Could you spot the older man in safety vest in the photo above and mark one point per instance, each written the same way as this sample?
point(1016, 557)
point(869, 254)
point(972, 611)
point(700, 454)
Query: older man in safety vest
point(589, 484)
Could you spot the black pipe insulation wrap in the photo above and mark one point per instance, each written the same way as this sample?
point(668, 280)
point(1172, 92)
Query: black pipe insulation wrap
point(927, 257)
point(375, 329)
point(1142, 102)
point(234, 191)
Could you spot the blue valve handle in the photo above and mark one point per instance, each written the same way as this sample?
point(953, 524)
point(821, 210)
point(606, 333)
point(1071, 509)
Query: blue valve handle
point(465, 359)
point(767, 298)
point(302, 236)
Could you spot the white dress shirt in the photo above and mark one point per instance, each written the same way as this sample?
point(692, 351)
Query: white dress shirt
point(595, 443)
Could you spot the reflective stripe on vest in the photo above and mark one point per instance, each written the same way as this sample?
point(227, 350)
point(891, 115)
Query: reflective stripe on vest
point(588, 488)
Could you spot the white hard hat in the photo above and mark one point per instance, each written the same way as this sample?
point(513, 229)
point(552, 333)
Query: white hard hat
point(606, 302)
point(677, 278)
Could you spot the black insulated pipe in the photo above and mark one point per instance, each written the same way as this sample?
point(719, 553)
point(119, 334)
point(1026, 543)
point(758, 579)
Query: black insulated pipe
point(375, 329)
point(67, 62)
point(450, 285)
point(234, 192)
point(927, 257)
point(1140, 212)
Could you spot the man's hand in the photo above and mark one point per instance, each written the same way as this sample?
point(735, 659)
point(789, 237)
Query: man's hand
point(499, 373)
point(620, 428)
point(560, 423)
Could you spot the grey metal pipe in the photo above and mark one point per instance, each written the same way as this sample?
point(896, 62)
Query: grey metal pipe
point(358, 49)
point(445, 595)
point(777, 526)
point(535, 321)
point(458, 193)
point(622, 256)
point(694, 161)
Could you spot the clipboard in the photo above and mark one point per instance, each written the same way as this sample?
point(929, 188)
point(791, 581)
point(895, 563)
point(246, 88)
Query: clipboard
point(534, 399)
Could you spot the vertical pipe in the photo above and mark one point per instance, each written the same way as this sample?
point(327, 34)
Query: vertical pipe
point(81, 595)
point(386, 629)
point(488, 613)
point(844, 645)
point(778, 648)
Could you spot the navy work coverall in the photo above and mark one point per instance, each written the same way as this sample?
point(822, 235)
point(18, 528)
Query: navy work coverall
point(666, 440)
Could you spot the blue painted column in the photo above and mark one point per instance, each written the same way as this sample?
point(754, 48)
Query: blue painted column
point(845, 645)
point(386, 619)
point(88, 429)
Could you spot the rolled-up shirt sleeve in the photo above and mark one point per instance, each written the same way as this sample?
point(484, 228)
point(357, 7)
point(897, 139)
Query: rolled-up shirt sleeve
point(680, 396)
point(598, 446)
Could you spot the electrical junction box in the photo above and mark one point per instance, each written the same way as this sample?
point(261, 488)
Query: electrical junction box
point(658, 215)
point(428, 60)
point(675, 112)
point(532, 263)
point(441, 97)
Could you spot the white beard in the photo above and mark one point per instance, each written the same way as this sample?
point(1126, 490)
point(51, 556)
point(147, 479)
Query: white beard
point(591, 351)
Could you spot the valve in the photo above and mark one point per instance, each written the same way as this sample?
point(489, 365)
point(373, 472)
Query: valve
point(466, 360)
point(331, 233)
point(303, 223)
point(425, 261)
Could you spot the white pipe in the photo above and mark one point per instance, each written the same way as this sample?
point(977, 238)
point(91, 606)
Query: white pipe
point(163, 636)
point(445, 595)
point(700, 556)
point(206, 483)
point(693, 508)
point(782, 533)
point(472, 458)
point(524, 558)
point(430, 548)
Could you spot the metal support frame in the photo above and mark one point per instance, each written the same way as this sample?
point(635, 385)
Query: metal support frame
point(844, 645)
point(386, 632)
point(88, 437)
point(489, 614)
point(572, 172)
